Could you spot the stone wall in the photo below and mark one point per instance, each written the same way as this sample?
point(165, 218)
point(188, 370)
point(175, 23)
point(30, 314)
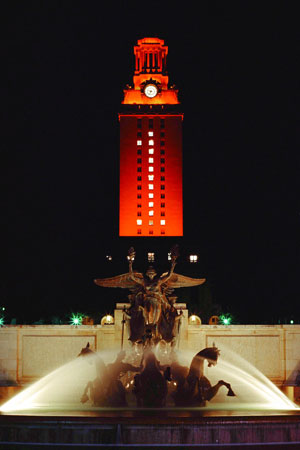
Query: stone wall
point(29, 352)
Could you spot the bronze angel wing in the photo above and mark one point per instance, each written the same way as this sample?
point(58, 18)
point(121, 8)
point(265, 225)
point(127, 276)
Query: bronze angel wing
point(120, 281)
point(177, 281)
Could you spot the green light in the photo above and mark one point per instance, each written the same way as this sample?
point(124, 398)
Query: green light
point(225, 319)
point(1, 322)
point(291, 322)
point(76, 319)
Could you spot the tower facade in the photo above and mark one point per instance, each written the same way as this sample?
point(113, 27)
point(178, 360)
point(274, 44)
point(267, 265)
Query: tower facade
point(150, 148)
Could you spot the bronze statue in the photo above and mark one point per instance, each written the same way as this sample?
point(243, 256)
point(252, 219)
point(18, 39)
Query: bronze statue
point(107, 389)
point(151, 291)
point(150, 386)
point(193, 388)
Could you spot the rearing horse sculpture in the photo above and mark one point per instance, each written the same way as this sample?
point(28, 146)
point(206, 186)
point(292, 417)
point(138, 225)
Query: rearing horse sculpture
point(193, 388)
point(150, 386)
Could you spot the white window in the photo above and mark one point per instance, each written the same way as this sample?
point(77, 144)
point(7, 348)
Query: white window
point(151, 187)
point(163, 222)
point(150, 177)
point(151, 151)
point(150, 168)
point(151, 142)
point(139, 222)
point(109, 257)
point(150, 222)
point(193, 258)
point(151, 160)
point(169, 256)
point(151, 257)
point(151, 195)
point(151, 204)
point(151, 213)
point(139, 142)
point(150, 133)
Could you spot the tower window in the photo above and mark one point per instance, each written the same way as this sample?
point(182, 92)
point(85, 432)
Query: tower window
point(151, 151)
point(162, 232)
point(162, 169)
point(193, 258)
point(151, 213)
point(150, 222)
point(163, 222)
point(150, 142)
point(139, 205)
point(139, 151)
point(139, 222)
point(150, 168)
point(162, 195)
point(162, 160)
point(151, 160)
point(161, 178)
point(150, 124)
point(139, 169)
point(151, 204)
point(150, 177)
point(162, 186)
point(139, 134)
point(162, 205)
point(151, 257)
point(139, 142)
point(162, 143)
point(162, 152)
point(139, 178)
point(139, 231)
point(150, 133)
point(139, 160)
point(139, 196)
point(162, 134)
point(150, 195)
point(162, 123)
point(139, 187)
point(151, 187)
point(139, 213)
point(150, 231)
point(139, 123)
point(162, 213)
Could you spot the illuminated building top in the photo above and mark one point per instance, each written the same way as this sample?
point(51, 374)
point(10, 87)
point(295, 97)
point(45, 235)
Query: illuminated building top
point(150, 80)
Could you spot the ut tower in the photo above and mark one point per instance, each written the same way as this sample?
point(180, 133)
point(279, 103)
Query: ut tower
point(150, 148)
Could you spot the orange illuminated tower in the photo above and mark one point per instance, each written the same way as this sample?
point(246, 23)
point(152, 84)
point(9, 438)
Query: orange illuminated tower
point(150, 148)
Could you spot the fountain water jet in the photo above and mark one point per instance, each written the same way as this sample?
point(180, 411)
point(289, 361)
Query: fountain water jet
point(61, 390)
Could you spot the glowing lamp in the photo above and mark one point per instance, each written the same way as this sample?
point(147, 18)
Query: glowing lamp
point(292, 322)
point(194, 320)
point(76, 319)
point(1, 322)
point(225, 319)
point(107, 320)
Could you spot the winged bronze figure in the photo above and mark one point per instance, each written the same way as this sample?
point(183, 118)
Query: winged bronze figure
point(151, 288)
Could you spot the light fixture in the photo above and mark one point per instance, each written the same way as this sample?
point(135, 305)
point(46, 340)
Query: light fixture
point(107, 320)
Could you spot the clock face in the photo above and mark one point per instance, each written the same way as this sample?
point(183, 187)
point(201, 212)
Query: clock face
point(150, 90)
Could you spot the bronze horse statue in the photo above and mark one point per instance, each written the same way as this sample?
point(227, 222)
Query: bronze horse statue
point(193, 388)
point(107, 389)
point(150, 386)
point(94, 390)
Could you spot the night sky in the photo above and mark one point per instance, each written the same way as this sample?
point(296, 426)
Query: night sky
point(64, 65)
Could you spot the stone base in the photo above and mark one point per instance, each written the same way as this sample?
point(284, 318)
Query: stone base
point(151, 429)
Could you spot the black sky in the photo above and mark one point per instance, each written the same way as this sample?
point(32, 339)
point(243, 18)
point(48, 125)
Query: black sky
point(64, 65)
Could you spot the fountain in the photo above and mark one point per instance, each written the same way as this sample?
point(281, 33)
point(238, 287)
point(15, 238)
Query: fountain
point(154, 384)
